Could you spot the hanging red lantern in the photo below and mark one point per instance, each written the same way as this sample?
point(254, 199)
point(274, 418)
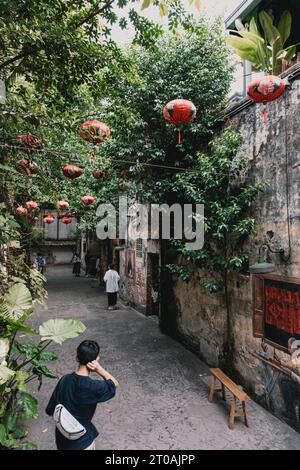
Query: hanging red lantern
point(126, 173)
point(88, 200)
point(100, 174)
point(31, 205)
point(25, 166)
point(265, 89)
point(21, 210)
point(72, 171)
point(66, 220)
point(124, 185)
point(95, 132)
point(48, 218)
point(29, 140)
point(63, 205)
point(180, 112)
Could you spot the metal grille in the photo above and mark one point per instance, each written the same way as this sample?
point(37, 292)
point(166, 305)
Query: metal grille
point(139, 248)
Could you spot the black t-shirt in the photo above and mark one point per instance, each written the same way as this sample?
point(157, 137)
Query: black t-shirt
point(80, 395)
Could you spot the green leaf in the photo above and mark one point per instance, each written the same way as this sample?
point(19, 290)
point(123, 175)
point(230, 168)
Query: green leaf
point(285, 26)
point(29, 405)
point(272, 34)
point(48, 356)
point(4, 348)
point(44, 370)
point(16, 301)
point(58, 330)
point(146, 4)
point(5, 374)
point(2, 434)
point(30, 446)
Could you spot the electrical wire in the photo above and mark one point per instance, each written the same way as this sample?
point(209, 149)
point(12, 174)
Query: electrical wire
point(114, 160)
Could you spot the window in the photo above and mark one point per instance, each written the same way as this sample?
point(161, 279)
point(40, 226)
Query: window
point(276, 314)
point(139, 248)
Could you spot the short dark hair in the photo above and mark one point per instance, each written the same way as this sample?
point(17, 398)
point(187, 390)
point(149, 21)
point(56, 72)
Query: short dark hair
point(87, 351)
point(111, 266)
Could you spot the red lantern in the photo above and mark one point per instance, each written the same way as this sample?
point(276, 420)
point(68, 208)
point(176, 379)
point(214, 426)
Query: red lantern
point(265, 89)
point(29, 140)
point(126, 173)
point(48, 218)
point(31, 205)
point(63, 205)
point(22, 210)
point(88, 200)
point(124, 185)
point(66, 220)
point(25, 166)
point(72, 171)
point(180, 112)
point(98, 174)
point(94, 131)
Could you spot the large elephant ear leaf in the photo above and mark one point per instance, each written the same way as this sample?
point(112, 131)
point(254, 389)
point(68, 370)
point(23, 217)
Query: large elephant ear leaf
point(58, 329)
point(4, 348)
point(16, 301)
point(285, 26)
point(5, 374)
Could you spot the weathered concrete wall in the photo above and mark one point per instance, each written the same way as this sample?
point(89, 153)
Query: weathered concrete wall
point(274, 153)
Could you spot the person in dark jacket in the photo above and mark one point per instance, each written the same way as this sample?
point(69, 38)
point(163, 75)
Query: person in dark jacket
point(80, 394)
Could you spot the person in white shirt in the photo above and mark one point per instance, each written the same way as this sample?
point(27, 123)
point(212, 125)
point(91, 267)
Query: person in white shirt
point(111, 280)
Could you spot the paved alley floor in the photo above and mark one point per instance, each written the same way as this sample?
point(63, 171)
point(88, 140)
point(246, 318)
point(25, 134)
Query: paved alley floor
point(162, 400)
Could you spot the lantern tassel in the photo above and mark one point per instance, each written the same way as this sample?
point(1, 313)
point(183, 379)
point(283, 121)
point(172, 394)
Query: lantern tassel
point(265, 113)
point(179, 137)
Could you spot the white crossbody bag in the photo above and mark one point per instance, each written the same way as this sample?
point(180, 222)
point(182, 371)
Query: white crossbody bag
point(67, 425)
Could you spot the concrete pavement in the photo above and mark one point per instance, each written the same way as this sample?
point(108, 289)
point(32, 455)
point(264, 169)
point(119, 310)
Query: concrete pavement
point(162, 401)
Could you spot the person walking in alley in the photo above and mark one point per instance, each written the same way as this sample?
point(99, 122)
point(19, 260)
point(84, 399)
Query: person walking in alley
point(79, 395)
point(40, 262)
point(76, 265)
point(111, 279)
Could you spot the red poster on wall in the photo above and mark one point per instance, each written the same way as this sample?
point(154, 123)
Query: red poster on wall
point(282, 311)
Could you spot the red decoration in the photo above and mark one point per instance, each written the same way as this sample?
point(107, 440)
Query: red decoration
point(94, 131)
point(266, 89)
point(124, 185)
point(98, 174)
point(179, 112)
point(22, 210)
point(25, 166)
point(62, 205)
point(48, 218)
point(66, 220)
point(29, 140)
point(72, 171)
point(88, 200)
point(126, 173)
point(31, 205)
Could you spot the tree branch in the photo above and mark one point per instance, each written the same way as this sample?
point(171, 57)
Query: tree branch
point(90, 16)
point(97, 11)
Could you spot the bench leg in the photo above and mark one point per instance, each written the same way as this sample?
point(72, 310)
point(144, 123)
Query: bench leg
point(245, 413)
point(232, 413)
point(212, 388)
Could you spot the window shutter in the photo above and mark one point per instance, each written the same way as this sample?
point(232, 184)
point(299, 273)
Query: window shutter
point(258, 306)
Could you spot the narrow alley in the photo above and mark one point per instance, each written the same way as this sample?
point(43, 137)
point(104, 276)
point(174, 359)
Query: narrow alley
point(162, 401)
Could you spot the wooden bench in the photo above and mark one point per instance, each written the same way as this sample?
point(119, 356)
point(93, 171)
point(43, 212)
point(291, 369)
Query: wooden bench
point(237, 394)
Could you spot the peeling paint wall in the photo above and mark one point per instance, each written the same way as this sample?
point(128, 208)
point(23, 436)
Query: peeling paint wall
point(274, 156)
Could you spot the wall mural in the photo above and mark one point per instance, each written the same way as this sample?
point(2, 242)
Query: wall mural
point(281, 331)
